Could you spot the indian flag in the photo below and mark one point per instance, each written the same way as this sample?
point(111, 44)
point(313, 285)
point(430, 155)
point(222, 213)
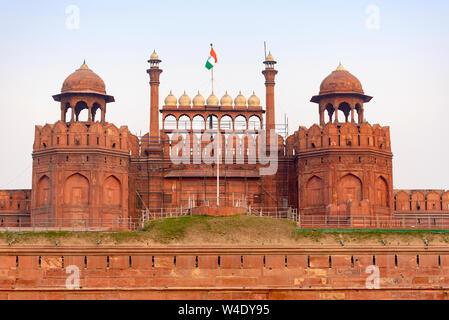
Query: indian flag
point(212, 59)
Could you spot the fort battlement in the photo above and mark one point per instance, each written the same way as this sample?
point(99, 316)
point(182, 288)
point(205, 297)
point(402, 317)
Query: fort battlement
point(421, 201)
point(195, 146)
point(339, 168)
point(265, 272)
point(15, 207)
point(339, 136)
point(80, 171)
point(63, 136)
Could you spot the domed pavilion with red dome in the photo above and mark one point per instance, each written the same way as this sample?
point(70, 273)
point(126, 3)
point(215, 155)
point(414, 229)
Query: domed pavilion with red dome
point(88, 172)
point(344, 164)
point(83, 89)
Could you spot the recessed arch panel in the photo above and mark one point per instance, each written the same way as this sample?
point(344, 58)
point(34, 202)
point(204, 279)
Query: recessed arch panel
point(349, 189)
point(382, 198)
point(315, 192)
point(42, 195)
point(76, 190)
point(112, 192)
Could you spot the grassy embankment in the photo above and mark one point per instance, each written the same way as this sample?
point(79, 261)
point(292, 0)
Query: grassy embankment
point(234, 230)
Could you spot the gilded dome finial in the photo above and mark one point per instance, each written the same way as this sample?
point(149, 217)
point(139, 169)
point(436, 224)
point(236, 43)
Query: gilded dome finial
point(198, 100)
point(240, 100)
point(212, 100)
point(84, 66)
point(253, 101)
point(171, 100)
point(340, 67)
point(226, 100)
point(184, 100)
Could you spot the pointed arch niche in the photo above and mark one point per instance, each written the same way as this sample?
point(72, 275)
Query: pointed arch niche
point(315, 192)
point(43, 187)
point(349, 189)
point(382, 197)
point(76, 190)
point(112, 192)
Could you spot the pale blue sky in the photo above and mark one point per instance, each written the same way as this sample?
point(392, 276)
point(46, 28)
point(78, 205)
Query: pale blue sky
point(403, 64)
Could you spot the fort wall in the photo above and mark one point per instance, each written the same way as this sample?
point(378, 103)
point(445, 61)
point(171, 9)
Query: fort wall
point(226, 273)
point(421, 201)
point(80, 171)
point(15, 207)
point(343, 170)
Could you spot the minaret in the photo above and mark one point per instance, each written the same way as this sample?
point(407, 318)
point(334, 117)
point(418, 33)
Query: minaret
point(270, 74)
point(154, 73)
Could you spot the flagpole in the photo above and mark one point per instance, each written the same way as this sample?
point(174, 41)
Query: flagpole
point(218, 165)
point(212, 71)
point(217, 140)
point(218, 148)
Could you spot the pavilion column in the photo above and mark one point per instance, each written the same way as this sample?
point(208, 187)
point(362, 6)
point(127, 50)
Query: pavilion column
point(336, 114)
point(103, 115)
point(352, 114)
point(90, 114)
point(270, 76)
point(154, 73)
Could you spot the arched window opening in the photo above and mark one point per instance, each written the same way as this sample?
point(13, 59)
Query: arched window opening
point(212, 122)
point(198, 123)
point(67, 111)
point(344, 112)
point(81, 111)
point(254, 123)
point(184, 123)
point(226, 123)
point(170, 123)
point(95, 108)
point(240, 123)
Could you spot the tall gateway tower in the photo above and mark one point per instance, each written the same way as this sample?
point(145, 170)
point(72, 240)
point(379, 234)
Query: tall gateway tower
point(80, 163)
point(344, 164)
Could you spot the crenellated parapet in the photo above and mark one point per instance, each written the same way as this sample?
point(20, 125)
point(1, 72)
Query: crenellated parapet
point(348, 135)
point(15, 201)
point(344, 165)
point(80, 171)
point(421, 201)
point(15, 208)
point(81, 135)
point(191, 147)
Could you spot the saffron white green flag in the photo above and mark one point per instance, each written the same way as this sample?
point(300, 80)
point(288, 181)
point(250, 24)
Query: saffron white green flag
point(212, 60)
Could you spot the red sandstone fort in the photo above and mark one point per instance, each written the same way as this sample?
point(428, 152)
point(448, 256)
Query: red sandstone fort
point(89, 172)
point(218, 157)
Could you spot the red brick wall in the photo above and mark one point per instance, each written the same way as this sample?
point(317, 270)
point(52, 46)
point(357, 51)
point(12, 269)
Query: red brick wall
point(225, 273)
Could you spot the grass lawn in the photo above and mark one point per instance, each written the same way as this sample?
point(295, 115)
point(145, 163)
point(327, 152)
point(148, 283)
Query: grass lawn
point(231, 230)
